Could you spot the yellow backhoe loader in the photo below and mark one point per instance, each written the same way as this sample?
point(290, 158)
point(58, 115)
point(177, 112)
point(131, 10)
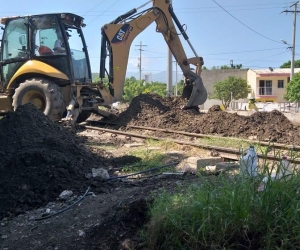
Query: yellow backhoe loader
point(44, 60)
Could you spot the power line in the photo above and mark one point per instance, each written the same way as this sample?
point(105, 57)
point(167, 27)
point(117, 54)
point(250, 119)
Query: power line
point(181, 11)
point(223, 53)
point(244, 24)
point(240, 52)
point(93, 8)
point(216, 54)
point(246, 5)
point(267, 57)
point(186, 10)
point(155, 52)
point(104, 11)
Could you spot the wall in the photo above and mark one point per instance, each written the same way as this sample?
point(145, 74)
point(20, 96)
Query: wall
point(210, 77)
point(251, 77)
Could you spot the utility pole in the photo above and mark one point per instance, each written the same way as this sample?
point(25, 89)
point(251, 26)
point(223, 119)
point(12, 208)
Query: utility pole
point(176, 88)
point(169, 69)
point(176, 82)
point(169, 72)
point(140, 58)
point(294, 36)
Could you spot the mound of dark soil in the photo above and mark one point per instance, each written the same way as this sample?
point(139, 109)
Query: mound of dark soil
point(154, 111)
point(38, 160)
point(214, 108)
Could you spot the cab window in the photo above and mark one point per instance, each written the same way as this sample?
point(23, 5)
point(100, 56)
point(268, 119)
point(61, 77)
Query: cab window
point(46, 35)
point(14, 41)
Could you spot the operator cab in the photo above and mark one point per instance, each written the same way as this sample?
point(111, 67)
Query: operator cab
point(55, 39)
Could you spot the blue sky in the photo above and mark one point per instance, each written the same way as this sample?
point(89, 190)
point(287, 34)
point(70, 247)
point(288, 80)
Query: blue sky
point(248, 32)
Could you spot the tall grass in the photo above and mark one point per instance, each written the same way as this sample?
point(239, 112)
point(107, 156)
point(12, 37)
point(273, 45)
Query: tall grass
point(228, 213)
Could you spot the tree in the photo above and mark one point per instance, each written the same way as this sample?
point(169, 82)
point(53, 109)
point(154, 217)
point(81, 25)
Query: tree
point(225, 67)
point(293, 89)
point(179, 87)
point(132, 88)
point(156, 87)
point(287, 65)
point(237, 66)
point(231, 88)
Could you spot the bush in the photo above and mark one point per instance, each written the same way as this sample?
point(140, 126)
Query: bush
point(227, 214)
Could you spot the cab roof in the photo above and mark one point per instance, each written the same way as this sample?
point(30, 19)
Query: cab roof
point(68, 17)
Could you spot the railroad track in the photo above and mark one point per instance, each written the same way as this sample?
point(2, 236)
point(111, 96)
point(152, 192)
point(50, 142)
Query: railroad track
point(227, 153)
point(267, 144)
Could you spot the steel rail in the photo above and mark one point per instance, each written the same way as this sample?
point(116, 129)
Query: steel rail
point(269, 144)
point(224, 152)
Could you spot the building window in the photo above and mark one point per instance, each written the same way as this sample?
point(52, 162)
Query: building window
point(265, 87)
point(280, 84)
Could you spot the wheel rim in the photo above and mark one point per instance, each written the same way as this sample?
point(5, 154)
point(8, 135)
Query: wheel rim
point(36, 98)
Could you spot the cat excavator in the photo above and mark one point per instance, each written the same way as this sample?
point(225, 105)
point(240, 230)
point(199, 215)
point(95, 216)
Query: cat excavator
point(58, 81)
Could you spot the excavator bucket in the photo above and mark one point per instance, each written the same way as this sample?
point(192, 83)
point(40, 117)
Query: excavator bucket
point(195, 93)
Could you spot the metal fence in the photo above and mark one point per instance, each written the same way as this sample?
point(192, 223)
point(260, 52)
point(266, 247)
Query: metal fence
point(288, 107)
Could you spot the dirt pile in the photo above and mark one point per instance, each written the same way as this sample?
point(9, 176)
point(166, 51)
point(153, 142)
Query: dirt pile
point(214, 108)
point(38, 160)
point(154, 111)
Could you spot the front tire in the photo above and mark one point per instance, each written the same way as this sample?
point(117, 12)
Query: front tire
point(45, 95)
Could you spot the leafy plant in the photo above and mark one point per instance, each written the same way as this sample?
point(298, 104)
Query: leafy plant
point(293, 89)
point(288, 64)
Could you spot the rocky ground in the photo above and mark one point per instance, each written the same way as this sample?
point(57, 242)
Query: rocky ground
point(40, 159)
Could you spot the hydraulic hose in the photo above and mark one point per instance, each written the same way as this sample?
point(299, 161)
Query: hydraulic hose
point(65, 209)
point(109, 179)
point(143, 171)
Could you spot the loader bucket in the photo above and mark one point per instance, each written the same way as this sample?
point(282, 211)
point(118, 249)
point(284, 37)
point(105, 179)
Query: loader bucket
point(195, 93)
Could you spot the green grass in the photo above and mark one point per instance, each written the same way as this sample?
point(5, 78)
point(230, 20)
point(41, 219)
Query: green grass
point(228, 213)
point(149, 159)
point(232, 143)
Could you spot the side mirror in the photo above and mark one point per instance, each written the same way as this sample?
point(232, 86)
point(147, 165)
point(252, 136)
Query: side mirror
point(22, 39)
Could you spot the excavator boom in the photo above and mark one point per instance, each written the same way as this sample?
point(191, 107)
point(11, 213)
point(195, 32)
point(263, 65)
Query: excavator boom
point(118, 35)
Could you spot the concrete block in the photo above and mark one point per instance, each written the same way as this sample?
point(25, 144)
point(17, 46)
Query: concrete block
point(210, 161)
point(225, 166)
point(134, 145)
point(195, 163)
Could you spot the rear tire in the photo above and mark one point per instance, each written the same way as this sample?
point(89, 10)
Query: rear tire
point(45, 95)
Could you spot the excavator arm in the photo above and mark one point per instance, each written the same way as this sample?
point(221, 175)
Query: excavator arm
point(118, 35)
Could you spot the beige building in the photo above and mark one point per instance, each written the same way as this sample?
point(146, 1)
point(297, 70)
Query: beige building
point(268, 85)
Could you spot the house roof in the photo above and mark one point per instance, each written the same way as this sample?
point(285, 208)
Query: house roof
point(278, 71)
